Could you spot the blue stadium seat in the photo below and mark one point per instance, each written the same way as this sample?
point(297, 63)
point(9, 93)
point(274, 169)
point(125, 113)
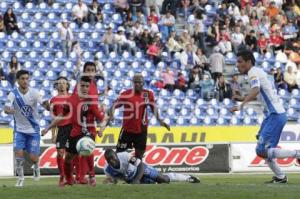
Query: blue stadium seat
point(33, 56)
point(28, 65)
point(3, 6)
point(126, 57)
point(269, 57)
point(117, 19)
point(258, 58)
point(178, 94)
point(5, 87)
point(20, 55)
point(37, 75)
point(295, 94)
point(209, 121)
point(284, 94)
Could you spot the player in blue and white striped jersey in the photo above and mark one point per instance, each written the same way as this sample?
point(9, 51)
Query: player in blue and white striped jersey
point(22, 104)
point(271, 128)
point(123, 166)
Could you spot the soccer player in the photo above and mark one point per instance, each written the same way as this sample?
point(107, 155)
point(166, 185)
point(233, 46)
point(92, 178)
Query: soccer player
point(62, 132)
point(271, 128)
point(84, 111)
point(123, 166)
point(22, 104)
point(86, 164)
point(135, 119)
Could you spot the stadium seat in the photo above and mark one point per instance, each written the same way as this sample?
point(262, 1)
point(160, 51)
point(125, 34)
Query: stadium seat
point(3, 6)
point(292, 114)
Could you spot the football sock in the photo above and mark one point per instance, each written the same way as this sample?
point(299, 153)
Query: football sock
point(282, 153)
point(60, 165)
point(19, 167)
point(68, 167)
point(179, 177)
point(90, 163)
point(36, 165)
point(83, 167)
point(275, 168)
point(77, 164)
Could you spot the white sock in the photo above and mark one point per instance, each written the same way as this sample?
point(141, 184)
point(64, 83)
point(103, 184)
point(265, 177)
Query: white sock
point(19, 167)
point(282, 153)
point(35, 165)
point(179, 177)
point(275, 168)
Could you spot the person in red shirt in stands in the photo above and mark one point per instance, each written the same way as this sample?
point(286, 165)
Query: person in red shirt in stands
point(262, 43)
point(62, 132)
point(135, 120)
point(276, 41)
point(84, 112)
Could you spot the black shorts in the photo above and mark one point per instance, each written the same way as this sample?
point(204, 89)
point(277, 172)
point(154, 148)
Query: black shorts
point(62, 136)
point(71, 144)
point(129, 140)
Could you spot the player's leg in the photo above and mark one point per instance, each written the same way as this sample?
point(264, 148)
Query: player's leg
point(71, 152)
point(33, 149)
point(139, 144)
point(124, 141)
point(61, 139)
point(19, 145)
point(180, 177)
point(90, 165)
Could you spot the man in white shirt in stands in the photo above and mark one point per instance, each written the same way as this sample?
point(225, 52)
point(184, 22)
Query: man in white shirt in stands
point(237, 38)
point(66, 36)
point(80, 13)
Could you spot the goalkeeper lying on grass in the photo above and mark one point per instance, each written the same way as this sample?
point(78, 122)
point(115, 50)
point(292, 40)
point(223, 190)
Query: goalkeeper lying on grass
point(123, 166)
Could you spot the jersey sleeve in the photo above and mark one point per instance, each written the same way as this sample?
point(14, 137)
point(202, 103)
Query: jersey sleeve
point(253, 79)
point(98, 114)
point(10, 99)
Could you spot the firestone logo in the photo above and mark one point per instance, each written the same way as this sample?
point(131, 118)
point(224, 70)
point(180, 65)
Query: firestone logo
point(154, 156)
point(286, 162)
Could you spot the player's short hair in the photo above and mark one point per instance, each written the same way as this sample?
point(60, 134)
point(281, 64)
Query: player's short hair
point(89, 63)
point(247, 55)
point(21, 72)
point(85, 79)
point(59, 78)
point(108, 153)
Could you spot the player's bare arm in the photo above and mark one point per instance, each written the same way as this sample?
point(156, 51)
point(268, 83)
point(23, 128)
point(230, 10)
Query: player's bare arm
point(252, 95)
point(139, 175)
point(154, 110)
point(9, 110)
point(53, 124)
point(46, 105)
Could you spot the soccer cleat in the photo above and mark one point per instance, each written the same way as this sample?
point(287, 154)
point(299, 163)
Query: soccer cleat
point(61, 182)
point(193, 179)
point(82, 181)
point(20, 182)
point(92, 181)
point(36, 174)
point(276, 180)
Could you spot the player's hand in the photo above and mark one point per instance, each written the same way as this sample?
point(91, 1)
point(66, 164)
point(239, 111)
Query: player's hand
point(44, 132)
point(53, 139)
point(162, 123)
point(257, 136)
point(100, 132)
point(233, 109)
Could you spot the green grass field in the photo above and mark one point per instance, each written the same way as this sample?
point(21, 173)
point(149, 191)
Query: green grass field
point(211, 186)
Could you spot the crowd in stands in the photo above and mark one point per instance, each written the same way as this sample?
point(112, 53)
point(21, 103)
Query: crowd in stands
point(198, 34)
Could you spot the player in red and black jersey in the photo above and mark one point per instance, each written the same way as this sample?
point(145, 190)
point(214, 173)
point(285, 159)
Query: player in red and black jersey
point(83, 112)
point(62, 132)
point(135, 119)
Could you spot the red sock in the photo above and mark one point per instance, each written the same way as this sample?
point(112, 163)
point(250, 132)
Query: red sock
point(90, 163)
point(60, 165)
point(84, 167)
point(77, 164)
point(68, 172)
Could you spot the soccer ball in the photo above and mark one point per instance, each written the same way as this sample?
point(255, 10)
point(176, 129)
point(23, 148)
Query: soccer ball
point(85, 146)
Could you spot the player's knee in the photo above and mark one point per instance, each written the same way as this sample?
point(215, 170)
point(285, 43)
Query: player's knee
point(261, 152)
point(60, 153)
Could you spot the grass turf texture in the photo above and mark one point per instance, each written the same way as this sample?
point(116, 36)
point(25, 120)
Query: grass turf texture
point(211, 186)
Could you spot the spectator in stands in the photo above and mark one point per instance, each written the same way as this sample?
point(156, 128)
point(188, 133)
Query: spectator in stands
point(213, 33)
point(260, 9)
point(152, 5)
point(168, 78)
point(185, 38)
point(222, 11)
point(109, 41)
point(67, 37)
point(264, 27)
point(279, 80)
point(207, 87)
point(167, 24)
point(185, 7)
point(298, 76)
point(80, 13)
point(169, 5)
point(244, 17)
point(1, 23)
point(144, 39)
point(154, 52)
point(137, 29)
point(252, 26)
point(121, 40)
point(236, 88)
point(140, 17)
point(77, 49)
point(181, 82)
point(276, 41)
point(217, 63)
point(237, 39)
point(272, 11)
point(223, 89)
point(99, 69)
point(290, 31)
point(172, 43)
point(224, 45)
point(10, 22)
point(290, 78)
point(122, 7)
point(251, 41)
point(2, 74)
point(13, 67)
point(199, 31)
point(154, 29)
point(137, 5)
point(153, 17)
point(95, 14)
point(203, 61)
point(262, 44)
point(188, 58)
point(195, 78)
point(132, 45)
